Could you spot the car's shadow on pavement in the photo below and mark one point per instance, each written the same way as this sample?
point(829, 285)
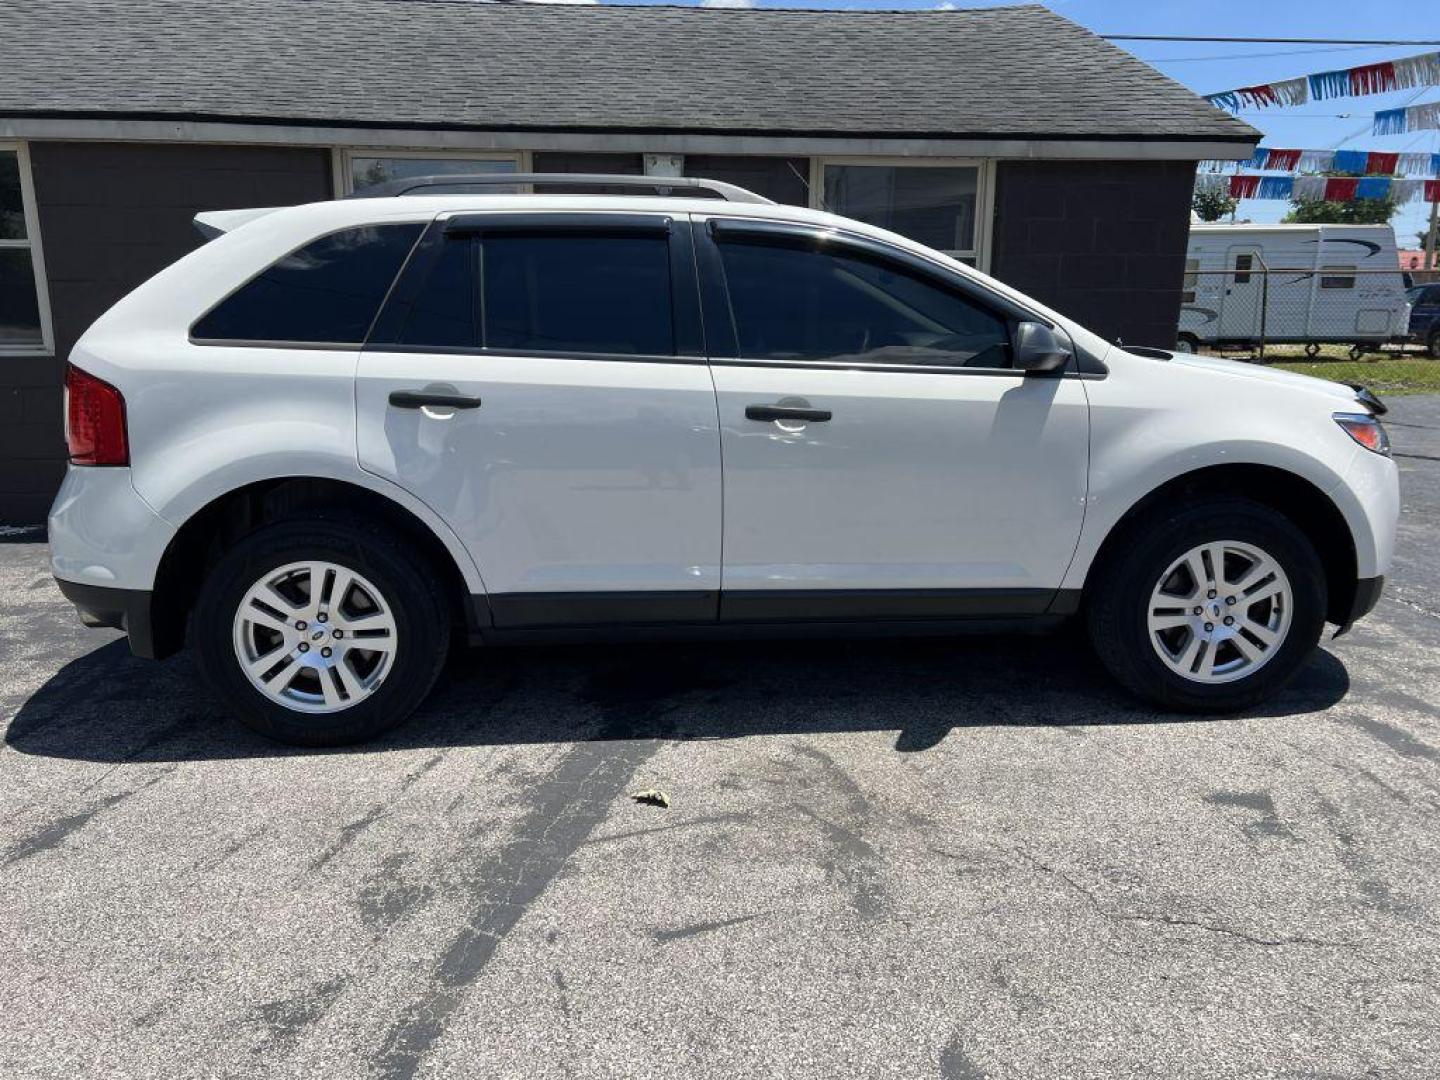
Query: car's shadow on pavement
point(110, 707)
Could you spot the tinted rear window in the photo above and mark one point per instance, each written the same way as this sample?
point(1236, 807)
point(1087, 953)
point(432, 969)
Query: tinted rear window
point(327, 291)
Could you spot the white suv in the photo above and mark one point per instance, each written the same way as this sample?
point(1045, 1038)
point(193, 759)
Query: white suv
point(340, 436)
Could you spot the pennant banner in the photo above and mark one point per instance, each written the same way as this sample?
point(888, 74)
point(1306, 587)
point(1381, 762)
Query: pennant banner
point(1414, 118)
point(1329, 188)
point(1404, 74)
point(1357, 162)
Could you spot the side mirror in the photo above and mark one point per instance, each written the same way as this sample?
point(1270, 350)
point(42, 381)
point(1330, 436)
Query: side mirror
point(1039, 350)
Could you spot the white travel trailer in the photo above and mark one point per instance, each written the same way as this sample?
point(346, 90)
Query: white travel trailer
point(1297, 284)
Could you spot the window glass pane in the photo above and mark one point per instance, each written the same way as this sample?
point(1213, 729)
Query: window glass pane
point(369, 171)
point(12, 211)
point(1330, 279)
point(932, 204)
point(795, 304)
point(328, 291)
point(606, 294)
point(1192, 276)
point(19, 306)
point(444, 313)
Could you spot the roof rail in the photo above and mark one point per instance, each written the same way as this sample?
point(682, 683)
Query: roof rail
point(414, 184)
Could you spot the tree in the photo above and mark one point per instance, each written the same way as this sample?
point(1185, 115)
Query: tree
point(1213, 205)
point(1355, 212)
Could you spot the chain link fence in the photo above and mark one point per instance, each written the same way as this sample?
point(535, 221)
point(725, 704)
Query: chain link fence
point(1252, 306)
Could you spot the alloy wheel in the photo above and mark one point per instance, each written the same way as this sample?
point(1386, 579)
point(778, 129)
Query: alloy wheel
point(315, 637)
point(1220, 612)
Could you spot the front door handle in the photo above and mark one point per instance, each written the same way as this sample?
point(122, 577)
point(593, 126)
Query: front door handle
point(786, 412)
point(419, 399)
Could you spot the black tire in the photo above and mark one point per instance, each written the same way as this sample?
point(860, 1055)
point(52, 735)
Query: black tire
point(409, 587)
point(1432, 346)
point(1117, 598)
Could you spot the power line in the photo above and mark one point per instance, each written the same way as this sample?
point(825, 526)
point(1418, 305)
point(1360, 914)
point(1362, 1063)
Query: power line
point(1272, 40)
point(1246, 56)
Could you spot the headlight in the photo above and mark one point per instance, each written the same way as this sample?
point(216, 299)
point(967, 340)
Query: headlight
point(1365, 430)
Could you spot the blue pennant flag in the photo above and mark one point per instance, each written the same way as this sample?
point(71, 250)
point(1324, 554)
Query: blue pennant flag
point(1373, 187)
point(1389, 122)
point(1257, 160)
point(1435, 164)
point(1351, 161)
point(1330, 84)
point(1275, 187)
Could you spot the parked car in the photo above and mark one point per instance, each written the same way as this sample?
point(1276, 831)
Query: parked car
point(1425, 317)
point(339, 436)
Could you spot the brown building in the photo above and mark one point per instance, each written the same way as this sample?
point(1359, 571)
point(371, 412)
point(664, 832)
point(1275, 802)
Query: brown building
point(1010, 137)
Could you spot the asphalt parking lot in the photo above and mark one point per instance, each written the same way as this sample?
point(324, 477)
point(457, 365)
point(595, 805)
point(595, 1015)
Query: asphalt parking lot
point(961, 860)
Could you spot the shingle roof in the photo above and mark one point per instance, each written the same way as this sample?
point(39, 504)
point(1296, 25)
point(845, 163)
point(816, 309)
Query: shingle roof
point(1018, 71)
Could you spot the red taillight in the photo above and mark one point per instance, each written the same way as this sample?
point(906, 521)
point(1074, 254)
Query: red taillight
point(94, 420)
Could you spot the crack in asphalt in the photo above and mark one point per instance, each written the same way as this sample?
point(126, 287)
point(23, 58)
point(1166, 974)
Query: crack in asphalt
point(1163, 919)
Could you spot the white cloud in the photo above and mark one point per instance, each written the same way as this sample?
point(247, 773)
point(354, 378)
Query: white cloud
point(947, 6)
point(562, 1)
point(728, 3)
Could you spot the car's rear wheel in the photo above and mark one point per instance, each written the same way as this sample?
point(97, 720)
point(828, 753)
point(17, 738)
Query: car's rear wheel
point(322, 632)
point(1432, 346)
point(1209, 607)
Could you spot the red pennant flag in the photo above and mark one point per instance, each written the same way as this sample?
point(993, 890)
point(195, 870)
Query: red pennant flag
point(1372, 78)
point(1283, 159)
point(1381, 164)
point(1432, 190)
point(1341, 188)
point(1264, 94)
point(1244, 187)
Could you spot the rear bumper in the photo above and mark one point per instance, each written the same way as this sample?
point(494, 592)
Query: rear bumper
point(122, 609)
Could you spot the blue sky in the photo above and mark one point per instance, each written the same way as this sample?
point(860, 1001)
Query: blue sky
point(1214, 66)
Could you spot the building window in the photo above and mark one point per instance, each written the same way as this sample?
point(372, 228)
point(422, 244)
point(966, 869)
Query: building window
point(936, 205)
point(1243, 265)
point(1337, 276)
point(360, 169)
point(24, 307)
point(1192, 278)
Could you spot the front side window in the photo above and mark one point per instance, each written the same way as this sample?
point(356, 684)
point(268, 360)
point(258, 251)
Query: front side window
point(932, 204)
point(22, 328)
point(370, 169)
point(577, 293)
point(327, 292)
point(1337, 276)
point(793, 303)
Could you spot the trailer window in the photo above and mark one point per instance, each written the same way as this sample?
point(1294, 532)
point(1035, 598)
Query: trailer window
point(1243, 265)
point(1192, 275)
point(1337, 276)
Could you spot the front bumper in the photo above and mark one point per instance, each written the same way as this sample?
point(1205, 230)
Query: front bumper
point(1367, 595)
point(122, 609)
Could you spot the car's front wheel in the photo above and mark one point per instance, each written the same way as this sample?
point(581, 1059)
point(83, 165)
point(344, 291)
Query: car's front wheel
point(321, 632)
point(1209, 607)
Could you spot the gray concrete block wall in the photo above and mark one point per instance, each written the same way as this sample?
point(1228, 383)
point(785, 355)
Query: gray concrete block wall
point(111, 215)
point(1102, 242)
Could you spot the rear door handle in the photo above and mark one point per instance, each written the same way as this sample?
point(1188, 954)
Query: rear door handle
point(419, 399)
point(786, 412)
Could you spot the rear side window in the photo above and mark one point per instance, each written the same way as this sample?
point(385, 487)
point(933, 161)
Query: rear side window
point(559, 293)
point(792, 303)
point(326, 292)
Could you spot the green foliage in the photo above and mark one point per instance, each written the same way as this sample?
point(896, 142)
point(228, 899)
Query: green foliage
point(1356, 212)
point(1213, 205)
